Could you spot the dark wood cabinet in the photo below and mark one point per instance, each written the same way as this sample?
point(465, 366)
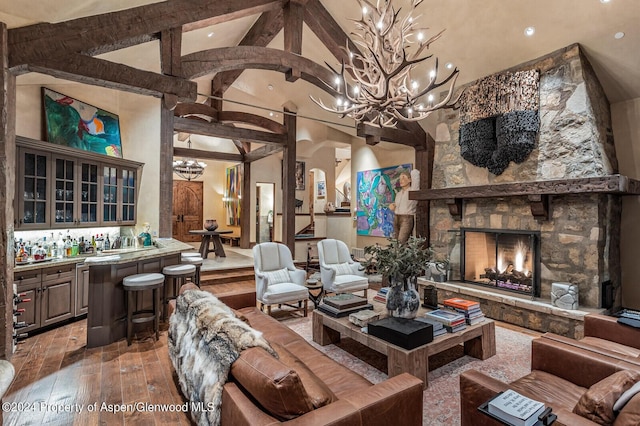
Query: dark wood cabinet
point(82, 290)
point(52, 292)
point(62, 187)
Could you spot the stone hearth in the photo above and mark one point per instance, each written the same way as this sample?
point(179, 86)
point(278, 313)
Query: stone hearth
point(535, 314)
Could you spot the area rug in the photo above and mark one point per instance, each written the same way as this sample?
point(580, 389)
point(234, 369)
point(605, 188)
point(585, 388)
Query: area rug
point(442, 397)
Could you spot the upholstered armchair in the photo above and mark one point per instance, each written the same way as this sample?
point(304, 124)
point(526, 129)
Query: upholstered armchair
point(338, 271)
point(278, 281)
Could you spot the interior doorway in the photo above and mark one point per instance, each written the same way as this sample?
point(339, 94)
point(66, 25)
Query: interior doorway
point(265, 196)
point(187, 210)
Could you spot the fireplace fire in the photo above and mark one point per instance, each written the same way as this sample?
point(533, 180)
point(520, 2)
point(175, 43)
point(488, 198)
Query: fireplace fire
point(509, 260)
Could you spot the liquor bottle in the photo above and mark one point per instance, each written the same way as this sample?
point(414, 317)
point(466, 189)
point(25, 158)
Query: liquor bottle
point(107, 243)
point(74, 248)
point(93, 244)
point(68, 248)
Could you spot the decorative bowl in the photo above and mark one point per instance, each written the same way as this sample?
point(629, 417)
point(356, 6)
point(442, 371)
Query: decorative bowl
point(210, 224)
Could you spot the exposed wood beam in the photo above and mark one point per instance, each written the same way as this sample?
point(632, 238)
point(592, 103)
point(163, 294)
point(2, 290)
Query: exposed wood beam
point(243, 147)
point(320, 21)
point(170, 51)
point(206, 155)
point(245, 206)
point(251, 57)
point(185, 109)
point(111, 31)
point(262, 152)
point(402, 137)
point(293, 14)
point(289, 184)
point(85, 69)
point(252, 119)
point(261, 33)
point(613, 184)
point(198, 127)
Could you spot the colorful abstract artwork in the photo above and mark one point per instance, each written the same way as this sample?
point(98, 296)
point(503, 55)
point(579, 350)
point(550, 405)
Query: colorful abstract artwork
point(233, 195)
point(376, 190)
point(76, 124)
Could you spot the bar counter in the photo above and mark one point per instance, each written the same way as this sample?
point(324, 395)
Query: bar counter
point(107, 308)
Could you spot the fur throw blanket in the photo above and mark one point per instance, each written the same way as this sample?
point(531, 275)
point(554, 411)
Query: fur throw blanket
point(205, 338)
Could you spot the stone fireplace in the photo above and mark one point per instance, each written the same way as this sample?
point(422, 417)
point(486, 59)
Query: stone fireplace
point(566, 195)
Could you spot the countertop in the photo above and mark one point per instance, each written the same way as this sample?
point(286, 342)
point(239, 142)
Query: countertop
point(163, 247)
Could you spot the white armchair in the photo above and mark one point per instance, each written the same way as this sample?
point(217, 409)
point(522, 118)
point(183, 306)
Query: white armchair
point(278, 281)
point(338, 271)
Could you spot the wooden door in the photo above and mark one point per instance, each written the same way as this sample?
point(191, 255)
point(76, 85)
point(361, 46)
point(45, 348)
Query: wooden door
point(187, 209)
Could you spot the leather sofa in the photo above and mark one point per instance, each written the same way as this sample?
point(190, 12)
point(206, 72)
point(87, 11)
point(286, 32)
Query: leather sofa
point(604, 335)
point(348, 398)
point(560, 376)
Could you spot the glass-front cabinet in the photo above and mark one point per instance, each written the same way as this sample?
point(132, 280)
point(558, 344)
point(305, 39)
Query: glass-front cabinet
point(61, 187)
point(33, 170)
point(119, 193)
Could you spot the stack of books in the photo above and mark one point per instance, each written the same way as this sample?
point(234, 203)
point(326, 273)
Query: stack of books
point(452, 321)
point(381, 296)
point(468, 308)
point(438, 327)
point(341, 305)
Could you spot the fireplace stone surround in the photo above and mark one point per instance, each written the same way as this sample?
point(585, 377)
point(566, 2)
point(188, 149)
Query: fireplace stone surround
point(567, 190)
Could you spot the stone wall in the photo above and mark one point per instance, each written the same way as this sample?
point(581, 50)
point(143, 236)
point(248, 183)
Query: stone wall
point(580, 241)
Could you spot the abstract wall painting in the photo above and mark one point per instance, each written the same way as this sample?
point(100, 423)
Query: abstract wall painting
point(375, 191)
point(233, 194)
point(76, 124)
point(321, 189)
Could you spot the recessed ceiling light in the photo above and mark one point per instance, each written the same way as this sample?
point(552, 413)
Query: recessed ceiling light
point(211, 34)
point(271, 114)
point(529, 31)
point(270, 86)
point(605, 1)
point(449, 65)
point(618, 35)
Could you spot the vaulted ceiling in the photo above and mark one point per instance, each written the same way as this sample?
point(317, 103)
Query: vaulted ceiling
point(481, 38)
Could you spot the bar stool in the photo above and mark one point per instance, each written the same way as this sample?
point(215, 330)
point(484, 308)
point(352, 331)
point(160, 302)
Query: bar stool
point(175, 276)
point(190, 254)
point(186, 258)
point(137, 283)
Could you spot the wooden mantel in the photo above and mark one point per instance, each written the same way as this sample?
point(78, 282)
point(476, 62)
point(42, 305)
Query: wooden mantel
point(538, 192)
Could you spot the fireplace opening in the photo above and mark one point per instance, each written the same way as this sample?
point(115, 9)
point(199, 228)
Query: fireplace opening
point(504, 259)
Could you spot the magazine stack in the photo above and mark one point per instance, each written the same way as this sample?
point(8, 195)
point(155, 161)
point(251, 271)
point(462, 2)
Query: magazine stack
point(470, 309)
point(381, 296)
point(438, 327)
point(452, 321)
point(515, 409)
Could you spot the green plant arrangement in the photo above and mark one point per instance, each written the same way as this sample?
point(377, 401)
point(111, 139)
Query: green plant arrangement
point(401, 264)
point(398, 261)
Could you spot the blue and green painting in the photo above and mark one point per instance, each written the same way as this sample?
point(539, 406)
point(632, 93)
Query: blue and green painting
point(76, 124)
point(376, 190)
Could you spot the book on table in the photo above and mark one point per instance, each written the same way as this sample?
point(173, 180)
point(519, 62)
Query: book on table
point(515, 409)
point(446, 317)
point(463, 304)
point(344, 301)
point(339, 313)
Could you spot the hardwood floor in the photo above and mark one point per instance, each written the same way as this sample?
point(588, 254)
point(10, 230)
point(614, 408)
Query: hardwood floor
point(55, 371)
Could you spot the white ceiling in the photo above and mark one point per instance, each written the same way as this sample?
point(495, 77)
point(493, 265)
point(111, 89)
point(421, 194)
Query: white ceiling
point(481, 38)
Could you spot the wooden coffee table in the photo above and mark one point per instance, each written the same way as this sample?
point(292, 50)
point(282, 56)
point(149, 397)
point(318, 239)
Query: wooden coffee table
point(479, 342)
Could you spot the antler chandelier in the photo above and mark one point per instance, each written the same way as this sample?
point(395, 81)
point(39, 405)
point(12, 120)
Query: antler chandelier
point(189, 168)
point(378, 86)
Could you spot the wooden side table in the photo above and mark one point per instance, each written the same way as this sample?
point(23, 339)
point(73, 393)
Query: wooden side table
point(313, 285)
